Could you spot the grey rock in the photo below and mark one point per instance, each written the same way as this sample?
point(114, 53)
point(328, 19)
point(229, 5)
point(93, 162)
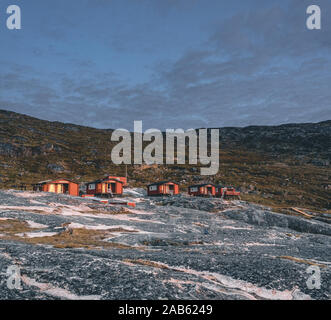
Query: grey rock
point(183, 248)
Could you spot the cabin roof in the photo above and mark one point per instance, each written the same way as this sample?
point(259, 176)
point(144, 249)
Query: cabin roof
point(202, 185)
point(161, 182)
point(50, 181)
point(111, 176)
point(105, 179)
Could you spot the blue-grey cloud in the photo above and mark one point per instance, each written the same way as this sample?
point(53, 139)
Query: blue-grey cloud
point(258, 65)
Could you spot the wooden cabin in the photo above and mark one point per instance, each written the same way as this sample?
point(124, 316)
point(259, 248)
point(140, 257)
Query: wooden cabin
point(123, 179)
point(222, 192)
point(64, 186)
point(206, 189)
point(162, 188)
point(106, 187)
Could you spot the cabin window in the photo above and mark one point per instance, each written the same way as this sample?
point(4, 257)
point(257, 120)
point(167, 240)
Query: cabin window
point(91, 186)
point(59, 188)
point(216, 189)
point(194, 189)
point(152, 188)
point(51, 188)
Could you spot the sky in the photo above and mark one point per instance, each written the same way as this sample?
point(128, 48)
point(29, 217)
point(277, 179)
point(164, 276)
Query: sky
point(170, 63)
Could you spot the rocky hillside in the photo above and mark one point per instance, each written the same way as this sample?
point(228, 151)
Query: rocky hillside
point(307, 143)
point(283, 166)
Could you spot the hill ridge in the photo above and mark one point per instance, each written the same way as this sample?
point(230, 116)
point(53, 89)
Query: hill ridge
point(276, 165)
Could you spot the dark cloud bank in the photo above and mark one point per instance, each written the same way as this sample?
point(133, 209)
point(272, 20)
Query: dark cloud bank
point(260, 67)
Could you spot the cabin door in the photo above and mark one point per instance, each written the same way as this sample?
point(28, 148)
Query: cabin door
point(65, 188)
point(171, 188)
point(111, 187)
point(209, 190)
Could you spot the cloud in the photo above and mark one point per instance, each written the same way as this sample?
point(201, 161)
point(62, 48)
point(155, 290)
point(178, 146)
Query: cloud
point(258, 67)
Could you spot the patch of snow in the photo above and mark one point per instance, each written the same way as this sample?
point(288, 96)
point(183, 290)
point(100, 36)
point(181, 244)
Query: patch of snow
point(242, 287)
point(135, 192)
point(36, 234)
point(223, 244)
point(69, 210)
point(36, 225)
point(27, 208)
point(125, 228)
point(74, 225)
point(259, 244)
point(236, 228)
point(135, 211)
point(36, 202)
point(126, 217)
point(51, 290)
point(26, 194)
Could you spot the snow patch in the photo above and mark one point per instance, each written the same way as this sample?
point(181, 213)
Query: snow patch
point(236, 228)
point(36, 225)
point(74, 225)
point(259, 244)
point(36, 234)
point(135, 211)
point(27, 208)
point(25, 194)
point(242, 287)
point(51, 290)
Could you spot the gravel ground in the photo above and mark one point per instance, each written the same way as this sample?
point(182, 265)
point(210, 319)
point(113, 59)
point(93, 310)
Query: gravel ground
point(181, 248)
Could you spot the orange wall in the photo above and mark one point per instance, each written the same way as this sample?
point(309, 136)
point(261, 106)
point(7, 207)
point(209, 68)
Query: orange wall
point(118, 186)
point(161, 189)
point(73, 187)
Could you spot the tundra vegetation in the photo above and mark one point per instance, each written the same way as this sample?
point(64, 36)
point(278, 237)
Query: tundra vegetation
point(281, 166)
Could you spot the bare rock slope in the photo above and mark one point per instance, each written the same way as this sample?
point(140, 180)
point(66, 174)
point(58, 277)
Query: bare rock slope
point(165, 248)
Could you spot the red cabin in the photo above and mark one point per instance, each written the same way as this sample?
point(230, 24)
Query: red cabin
point(108, 187)
point(58, 186)
point(206, 189)
point(123, 179)
point(222, 192)
point(162, 188)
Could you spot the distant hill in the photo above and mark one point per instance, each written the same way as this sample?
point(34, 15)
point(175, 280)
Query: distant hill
point(286, 165)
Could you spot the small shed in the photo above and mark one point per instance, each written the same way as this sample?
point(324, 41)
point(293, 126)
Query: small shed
point(107, 187)
point(162, 188)
point(206, 189)
point(222, 191)
point(64, 186)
